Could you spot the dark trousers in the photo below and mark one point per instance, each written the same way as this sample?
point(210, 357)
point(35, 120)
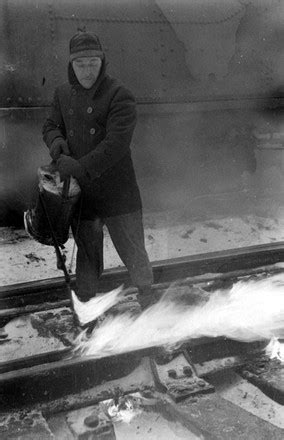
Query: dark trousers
point(127, 234)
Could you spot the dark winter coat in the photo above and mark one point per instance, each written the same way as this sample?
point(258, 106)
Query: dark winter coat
point(98, 124)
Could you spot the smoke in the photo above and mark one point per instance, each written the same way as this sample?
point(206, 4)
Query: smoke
point(249, 311)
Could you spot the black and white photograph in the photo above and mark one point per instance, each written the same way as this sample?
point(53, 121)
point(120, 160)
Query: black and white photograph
point(141, 219)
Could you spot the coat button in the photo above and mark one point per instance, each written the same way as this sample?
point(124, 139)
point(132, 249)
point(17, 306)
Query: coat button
point(71, 112)
point(89, 110)
point(71, 132)
point(92, 131)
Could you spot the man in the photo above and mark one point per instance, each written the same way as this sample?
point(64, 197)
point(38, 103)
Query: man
point(88, 133)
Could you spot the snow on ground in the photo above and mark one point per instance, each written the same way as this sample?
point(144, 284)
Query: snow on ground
point(167, 235)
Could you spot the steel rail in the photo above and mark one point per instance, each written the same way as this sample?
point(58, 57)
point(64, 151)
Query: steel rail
point(47, 376)
point(195, 268)
point(43, 378)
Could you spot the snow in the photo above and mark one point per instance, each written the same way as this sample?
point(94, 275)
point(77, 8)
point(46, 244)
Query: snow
point(167, 235)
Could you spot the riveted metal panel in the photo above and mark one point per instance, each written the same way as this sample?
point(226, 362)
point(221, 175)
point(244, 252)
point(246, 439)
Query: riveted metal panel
point(132, 35)
point(26, 54)
point(164, 51)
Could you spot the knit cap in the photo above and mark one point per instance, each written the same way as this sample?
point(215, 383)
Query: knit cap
point(85, 44)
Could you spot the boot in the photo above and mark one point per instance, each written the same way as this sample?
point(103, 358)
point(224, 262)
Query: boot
point(145, 297)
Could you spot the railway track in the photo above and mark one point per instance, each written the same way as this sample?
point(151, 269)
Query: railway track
point(212, 266)
point(57, 386)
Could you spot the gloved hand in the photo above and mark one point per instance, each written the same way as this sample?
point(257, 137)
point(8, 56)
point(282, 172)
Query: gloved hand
point(67, 166)
point(59, 146)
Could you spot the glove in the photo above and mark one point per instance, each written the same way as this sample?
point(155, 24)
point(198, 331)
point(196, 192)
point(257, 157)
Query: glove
point(58, 146)
point(67, 166)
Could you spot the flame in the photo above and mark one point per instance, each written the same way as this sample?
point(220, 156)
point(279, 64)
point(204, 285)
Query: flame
point(275, 349)
point(250, 310)
point(91, 310)
point(125, 409)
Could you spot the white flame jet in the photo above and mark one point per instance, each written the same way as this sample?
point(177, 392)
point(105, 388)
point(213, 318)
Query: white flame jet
point(249, 311)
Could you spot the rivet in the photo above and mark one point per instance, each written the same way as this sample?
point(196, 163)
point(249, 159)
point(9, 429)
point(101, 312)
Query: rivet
point(172, 373)
point(147, 394)
point(201, 383)
point(187, 371)
point(92, 421)
point(89, 110)
point(92, 131)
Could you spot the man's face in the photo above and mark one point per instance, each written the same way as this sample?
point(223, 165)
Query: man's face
point(87, 70)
